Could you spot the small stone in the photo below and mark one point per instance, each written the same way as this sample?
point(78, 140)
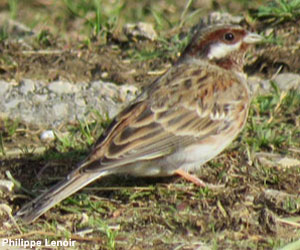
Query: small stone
point(27, 86)
point(60, 110)
point(47, 136)
point(104, 75)
point(284, 81)
point(276, 160)
point(61, 87)
point(6, 185)
point(5, 208)
point(287, 81)
point(140, 30)
point(12, 104)
point(40, 98)
point(4, 87)
point(80, 102)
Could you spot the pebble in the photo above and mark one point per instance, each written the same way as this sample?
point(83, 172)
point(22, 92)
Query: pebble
point(60, 109)
point(140, 30)
point(61, 87)
point(47, 136)
point(284, 81)
point(4, 88)
point(287, 81)
point(40, 98)
point(6, 185)
point(27, 85)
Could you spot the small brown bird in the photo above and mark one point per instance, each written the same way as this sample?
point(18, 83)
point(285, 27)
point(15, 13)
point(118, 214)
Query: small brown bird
point(182, 120)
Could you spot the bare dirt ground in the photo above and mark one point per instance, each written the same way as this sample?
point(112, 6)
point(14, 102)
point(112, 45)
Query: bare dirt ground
point(259, 206)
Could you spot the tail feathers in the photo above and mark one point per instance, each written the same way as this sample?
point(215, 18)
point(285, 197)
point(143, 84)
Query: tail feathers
point(34, 209)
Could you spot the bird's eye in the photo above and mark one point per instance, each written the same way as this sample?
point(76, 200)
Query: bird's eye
point(229, 37)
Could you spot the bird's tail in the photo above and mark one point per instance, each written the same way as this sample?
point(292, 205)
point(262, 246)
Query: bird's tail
point(54, 195)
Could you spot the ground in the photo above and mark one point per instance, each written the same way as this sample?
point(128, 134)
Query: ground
point(259, 206)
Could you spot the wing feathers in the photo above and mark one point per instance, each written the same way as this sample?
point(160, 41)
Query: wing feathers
point(158, 125)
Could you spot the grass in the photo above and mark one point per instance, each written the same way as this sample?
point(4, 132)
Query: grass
point(13, 8)
point(272, 122)
point(169, 49)
point(280, 11)
point(257, 209)
point(101, 22)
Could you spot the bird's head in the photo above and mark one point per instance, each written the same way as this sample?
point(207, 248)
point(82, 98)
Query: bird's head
point(224, 45)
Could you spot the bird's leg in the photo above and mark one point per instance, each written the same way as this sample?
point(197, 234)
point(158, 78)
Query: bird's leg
point(191, 178)
point(198, 182)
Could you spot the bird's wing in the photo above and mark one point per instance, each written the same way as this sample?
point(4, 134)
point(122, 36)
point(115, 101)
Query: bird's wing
point(179, 110)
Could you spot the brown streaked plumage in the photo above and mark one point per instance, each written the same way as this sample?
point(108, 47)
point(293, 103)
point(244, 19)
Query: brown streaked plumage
point(182, 120)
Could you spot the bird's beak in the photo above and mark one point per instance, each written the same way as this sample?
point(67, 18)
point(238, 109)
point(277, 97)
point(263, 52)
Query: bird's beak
point(253, 38)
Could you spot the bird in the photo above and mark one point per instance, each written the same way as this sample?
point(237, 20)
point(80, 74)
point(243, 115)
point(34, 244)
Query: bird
point(180, 121)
